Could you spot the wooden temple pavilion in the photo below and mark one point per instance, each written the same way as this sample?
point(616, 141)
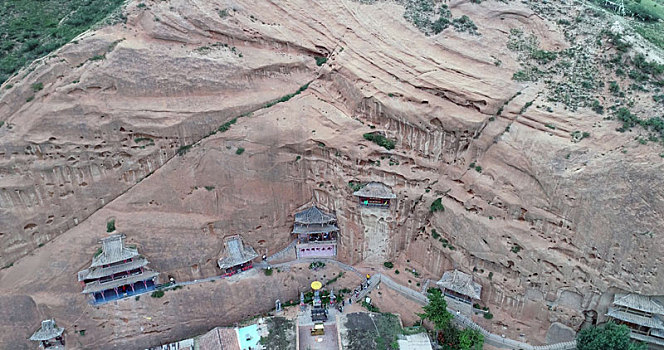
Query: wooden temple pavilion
point(117, 272)
point(375, 194)
point(460, 286)
point(236, 257)
point(49, 336)
point(317, 233)
point(644, 315)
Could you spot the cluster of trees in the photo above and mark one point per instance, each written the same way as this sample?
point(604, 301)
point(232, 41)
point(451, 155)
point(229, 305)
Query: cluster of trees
point(609, 336)
point(448, 336)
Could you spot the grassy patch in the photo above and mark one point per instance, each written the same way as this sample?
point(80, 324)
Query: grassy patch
point(281, 334)
point(157, 294)
point(320, 60)
point(373, 331)
point(30, 29)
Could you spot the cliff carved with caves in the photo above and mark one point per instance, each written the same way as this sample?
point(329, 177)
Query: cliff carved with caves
point(104, 139)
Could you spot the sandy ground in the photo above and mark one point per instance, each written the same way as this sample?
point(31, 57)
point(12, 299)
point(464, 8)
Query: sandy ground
point(388, 300)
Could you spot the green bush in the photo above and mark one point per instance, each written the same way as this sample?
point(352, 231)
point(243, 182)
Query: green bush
point(465, 24)
point(227, 125)
point(268, 272)
point(239, 151)
point(288, 97)
point(380, 140)
point(183, 149)
point(543, 56)
point(110, 225)
point(388, 264)
point(355, 186)
point(370, 307)
point(316, 265)
point(157, 294)
point(597, 107)
point(320, 60)
point(437, 205)
point(488, 315)
point(37, 87)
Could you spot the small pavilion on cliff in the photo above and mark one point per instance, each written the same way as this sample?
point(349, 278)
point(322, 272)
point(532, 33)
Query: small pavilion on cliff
point(644, 315)
point(460, 286)
point(116, 272)
point(49, 336)
point(317, 233)
point(236, 257)
point(375, 194)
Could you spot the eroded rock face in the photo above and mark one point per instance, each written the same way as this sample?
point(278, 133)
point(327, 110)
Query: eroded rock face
point(546, 225)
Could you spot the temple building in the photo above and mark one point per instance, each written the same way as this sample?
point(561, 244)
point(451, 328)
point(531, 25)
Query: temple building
point(116, 272)
point(644, 315)
point(375, 194)
point(236, 257)
point(49, 336)
point(317, 233)
point(460, 286)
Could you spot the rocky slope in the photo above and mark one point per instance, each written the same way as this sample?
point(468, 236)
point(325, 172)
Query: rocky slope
point(550, 227)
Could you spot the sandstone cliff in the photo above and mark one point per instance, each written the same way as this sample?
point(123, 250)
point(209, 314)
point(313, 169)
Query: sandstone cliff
point(547, 225)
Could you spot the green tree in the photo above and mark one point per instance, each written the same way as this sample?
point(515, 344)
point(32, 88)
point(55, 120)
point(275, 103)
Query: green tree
point(610, 336)
point(436, 310)
point(470, 339)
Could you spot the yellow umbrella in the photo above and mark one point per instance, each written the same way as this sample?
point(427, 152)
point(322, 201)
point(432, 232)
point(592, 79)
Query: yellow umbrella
point(315, 285)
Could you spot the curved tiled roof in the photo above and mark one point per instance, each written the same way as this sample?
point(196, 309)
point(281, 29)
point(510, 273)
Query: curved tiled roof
point(375, 190)
point(113, 250)
point(98, 286)
point(313, 215)
point(639, 302)
point(98, 272)
point(461, 283)
point(47, 331)
point(652, 322)
point(236, 253)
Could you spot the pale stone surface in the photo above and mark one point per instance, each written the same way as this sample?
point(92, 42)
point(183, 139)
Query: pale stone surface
point(559, 333)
